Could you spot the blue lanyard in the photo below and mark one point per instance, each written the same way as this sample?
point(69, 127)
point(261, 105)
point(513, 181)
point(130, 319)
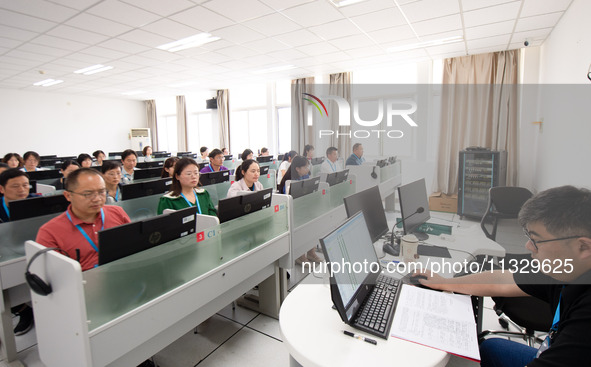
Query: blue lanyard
point(5, 208)
point(557, 314)
point(117, 194)
point(196, 201)
point(334, 168)
point(211, 168)
point(86, 234)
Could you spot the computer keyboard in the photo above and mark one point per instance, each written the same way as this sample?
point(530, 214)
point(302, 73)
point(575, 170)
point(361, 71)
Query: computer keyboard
point(375, 316)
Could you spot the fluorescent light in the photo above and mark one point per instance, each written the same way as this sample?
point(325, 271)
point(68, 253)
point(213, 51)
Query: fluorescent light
point(133, 92)
point(339, 3)
point(188, 42)
point(438, 42)
point(274, 69)
point(93, 69)
point(48, 82)
point(105, 68)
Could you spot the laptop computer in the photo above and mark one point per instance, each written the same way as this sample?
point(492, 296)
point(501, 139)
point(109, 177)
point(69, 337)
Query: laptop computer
point(364, 298)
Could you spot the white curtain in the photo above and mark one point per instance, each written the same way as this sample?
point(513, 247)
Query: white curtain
point(181, 121)
point(223, 102)
point(152, 119)
point(301, 134)
point(340, 85)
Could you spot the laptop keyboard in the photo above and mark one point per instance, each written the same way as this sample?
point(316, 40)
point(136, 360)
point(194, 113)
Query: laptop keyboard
point(375, 316)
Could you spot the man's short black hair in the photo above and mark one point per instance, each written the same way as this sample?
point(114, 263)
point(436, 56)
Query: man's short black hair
point(215, 152)
point(127, 152)
point(67, 163)
point(82, 157)
point(203, 150)
point(356, 145)
point(109, 165)
point(72, 181)
point(10, 174)
point(33, 154)
point(330, 150)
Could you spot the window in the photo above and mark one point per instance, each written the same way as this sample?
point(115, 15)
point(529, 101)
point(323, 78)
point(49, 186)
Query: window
point(167, 133)
point(200, 132)
point(284, 129)
point(248, 129)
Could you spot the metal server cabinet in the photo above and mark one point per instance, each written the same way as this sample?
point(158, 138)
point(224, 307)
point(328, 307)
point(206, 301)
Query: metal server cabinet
point(479, 170)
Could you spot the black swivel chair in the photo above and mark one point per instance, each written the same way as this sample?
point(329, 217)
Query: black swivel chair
point(529, 314)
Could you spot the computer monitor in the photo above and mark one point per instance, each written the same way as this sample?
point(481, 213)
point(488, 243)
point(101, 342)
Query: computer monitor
point(153, 172)
point(382, 163)
point(414, 207)
point(49, 162)
point(263, 159)
point(115, 154)
point(44, 175)
point(151, 164)
point(392, 159)
point(335, 178)
point(161, 154)
point(280, 157)
point(32, 187)
point(264, 170)
point(228, 157)
point(369, 201)
point(316, 161)
point(141, 189)
point(303, 187)
point(36, 207)
point(128, 239)
point(202, 165)
point(48, 156)
point(187, 155)
point(212, 178)
point(237, 206)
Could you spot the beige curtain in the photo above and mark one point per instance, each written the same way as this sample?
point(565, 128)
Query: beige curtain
point(479, 108)
point(223, 102)
point(301, 133)
point(152, 122)
point(340, 85)
point(181, 123)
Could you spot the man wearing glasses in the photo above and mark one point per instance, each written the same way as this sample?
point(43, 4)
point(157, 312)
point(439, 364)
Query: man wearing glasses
point(216, 162)
point(557, 224)
point(76, 230)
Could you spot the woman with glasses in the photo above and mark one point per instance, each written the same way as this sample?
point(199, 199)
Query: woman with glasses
point(185, 192)
point(112, 175)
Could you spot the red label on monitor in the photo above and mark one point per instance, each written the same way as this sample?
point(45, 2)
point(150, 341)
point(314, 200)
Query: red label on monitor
point(200, 236)
point(231, 182)
point(276, 208)
point(323, 191)
point(350, 182)
point(268, 175)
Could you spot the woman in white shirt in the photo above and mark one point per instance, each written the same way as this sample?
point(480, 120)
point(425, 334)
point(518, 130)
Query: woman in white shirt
point(284, 166)
point(247, 179)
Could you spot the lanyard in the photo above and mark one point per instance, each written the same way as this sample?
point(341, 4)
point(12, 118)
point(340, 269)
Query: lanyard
point(211, 168)
point(117, 194)
point(86, 234)
point(196, 201)
point(546, 344)
point(334, 168)
point(5, 207)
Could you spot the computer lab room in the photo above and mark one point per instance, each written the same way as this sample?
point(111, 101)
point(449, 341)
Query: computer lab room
point(295, 183)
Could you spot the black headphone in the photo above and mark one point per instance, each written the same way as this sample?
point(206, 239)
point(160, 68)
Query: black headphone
point(35, 282)
point(373, 173)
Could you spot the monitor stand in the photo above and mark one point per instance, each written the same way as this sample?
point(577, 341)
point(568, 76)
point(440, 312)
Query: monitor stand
point(421, 236)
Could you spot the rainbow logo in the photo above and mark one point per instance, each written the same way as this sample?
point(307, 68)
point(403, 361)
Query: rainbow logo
point(316, 104)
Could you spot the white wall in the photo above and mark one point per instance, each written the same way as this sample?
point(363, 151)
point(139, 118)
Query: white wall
point(66, 124)
point(563, 147)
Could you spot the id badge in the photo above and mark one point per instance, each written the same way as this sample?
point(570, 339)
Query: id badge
point(545, 345)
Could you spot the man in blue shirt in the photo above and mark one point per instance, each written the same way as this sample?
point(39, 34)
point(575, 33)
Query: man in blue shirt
point(356, 159)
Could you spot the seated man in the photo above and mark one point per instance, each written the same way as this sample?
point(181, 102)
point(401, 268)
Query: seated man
point(216, 162)
point(330, 164)
point(14, 185)
point(76, 230)
point(129, 161)
point(356, 159)
point(557, 224)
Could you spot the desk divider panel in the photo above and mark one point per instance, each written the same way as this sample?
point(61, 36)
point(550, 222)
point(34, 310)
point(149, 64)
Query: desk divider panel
point(232, 164)
point(140, 208)
point(218, 191)
point(273, 165)
point(269, 181)
point(340, 191)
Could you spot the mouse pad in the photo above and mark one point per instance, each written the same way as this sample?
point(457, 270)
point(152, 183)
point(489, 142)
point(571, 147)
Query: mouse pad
point(435, 251)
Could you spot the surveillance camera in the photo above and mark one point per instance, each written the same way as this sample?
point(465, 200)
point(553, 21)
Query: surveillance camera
point(526, 43)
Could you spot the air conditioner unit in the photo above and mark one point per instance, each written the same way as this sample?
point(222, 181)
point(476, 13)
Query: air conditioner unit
point(140, 138)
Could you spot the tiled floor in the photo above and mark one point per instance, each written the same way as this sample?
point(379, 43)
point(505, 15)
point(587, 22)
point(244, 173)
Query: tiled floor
point(243, 337)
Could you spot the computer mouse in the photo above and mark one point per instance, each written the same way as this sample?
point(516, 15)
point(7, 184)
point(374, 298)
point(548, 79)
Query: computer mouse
point(414, 280)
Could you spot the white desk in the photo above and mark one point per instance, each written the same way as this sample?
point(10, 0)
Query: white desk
point(312, 332)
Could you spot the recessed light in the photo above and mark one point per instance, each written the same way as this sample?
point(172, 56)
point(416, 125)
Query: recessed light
point(341, 3)
point(48, 82)
point(188, 42)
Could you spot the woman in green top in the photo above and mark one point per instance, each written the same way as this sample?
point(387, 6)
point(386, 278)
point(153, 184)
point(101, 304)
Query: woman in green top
point(184, 191)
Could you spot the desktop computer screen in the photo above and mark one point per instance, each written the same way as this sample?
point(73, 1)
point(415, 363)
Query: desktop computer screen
point(140, 189)
point(369, 201)
point(264, 170)
point(316, 161)
point(303, 187)
point(36, 207)
point(212, 178)
point(335, 178)
point(263, 159)
point(144, 173)
point(44, 175)
point(414, 207)
point(237, 206)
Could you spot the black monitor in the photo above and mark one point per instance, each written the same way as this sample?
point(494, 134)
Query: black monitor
point(264, 170)
point(211, 178)
point(36, 207)
point(68, 158)
point(303, 187)
point(382, 163)
point(335, 178)
point(153, 172)
point(32, 187)
point(44, 175)
point(128, 239)
point(266, 158)
point(392, 159)
point(48, 156)
point(115, 154)
point(237, 206)
point(161, 154)
point(141, 189)
point(49, 162)
point(414, 207)
point(186, 155)
point(280, 157)
point(228, 157)
point(202, 165)
point(151, 164)
point(317, 161)
point(369, 201)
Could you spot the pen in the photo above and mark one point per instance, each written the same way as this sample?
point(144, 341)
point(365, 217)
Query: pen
point(360, 337)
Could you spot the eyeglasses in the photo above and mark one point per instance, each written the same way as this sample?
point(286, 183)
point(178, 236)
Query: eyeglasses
point(89, 195)
point(535, 243)
point(113, 174)
point(191, 174)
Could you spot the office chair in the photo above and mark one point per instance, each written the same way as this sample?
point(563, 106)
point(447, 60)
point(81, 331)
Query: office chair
point(528, 314)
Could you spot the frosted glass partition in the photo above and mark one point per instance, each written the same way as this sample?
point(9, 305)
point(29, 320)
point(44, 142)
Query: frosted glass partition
point(140, 208)
point(218, 191)
point(14, 234)
point(116, 288)
point(341, 191)
point(389, 171)
point(272, 165)
point(269, 181)
point(309, 207)
point(315, 170)
point(231, 164)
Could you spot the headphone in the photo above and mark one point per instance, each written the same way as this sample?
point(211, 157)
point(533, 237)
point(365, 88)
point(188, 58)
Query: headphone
point(373, 173)
point(35, 282)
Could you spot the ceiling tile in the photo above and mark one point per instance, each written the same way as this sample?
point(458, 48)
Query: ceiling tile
point(318, 48)
point(239, 11)
point(238, 34)
point(75, 34)
point(201, 18)
point(447, 49)
point(59, 43)
point(314, 13)
point(40, 9)
point(366, 51)
point(490, 29)
point(284, 4)
point(51, 51)
point(21, 21)
point(386, 35)
point(123, 46)
point(96, 24)
point(104, 53)
point(262, 61)
point(438, 25)
point(537, 7)
point(266, 45)
point(237, 52)
point(298, 38)
point(35, 57)
point(123, 13)
point(145, 38)
point(489, 41)
point(17, 34)
point(9, 43)
point(468, 5)
point(288, 54)
point(85, 60)
point(535, 35)
point(162, 8)
point(163, 56)
point(429, 9)
point(140, 60)
point(537, 22)
point(170, 29)
point(337, 29)
point(272, 24)
point(379, 20)
point(350, 42)
point(365, 7)
point(491, 14)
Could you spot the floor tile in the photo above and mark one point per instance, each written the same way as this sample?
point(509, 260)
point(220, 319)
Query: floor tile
point(266, 325)
point(240, 314)
point(191, 348)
